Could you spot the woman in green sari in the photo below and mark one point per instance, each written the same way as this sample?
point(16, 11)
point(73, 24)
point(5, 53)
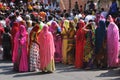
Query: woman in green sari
point(89, 45)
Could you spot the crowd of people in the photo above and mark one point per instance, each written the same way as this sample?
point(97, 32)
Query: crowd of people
point(35, 36)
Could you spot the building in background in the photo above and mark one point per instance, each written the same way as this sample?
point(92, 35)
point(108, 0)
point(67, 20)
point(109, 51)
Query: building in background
point(67, 4)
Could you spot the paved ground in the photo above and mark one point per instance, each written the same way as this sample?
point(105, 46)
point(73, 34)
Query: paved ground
point(63, 72)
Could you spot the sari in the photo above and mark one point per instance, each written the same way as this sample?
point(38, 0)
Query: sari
point(14, 30)
point(100, 34)
point(89, 47)
point(113, 45)
point(34, 57)
point(20, 57)
point(65, 41)
point(57, 40)
point(71, 43)
point(100, 45)
point(47, 50)
point(80, 42)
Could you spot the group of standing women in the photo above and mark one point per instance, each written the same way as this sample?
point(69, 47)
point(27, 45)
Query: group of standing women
point(84, 45)
point(89, 45)
point(34, 54)
point(97, 46)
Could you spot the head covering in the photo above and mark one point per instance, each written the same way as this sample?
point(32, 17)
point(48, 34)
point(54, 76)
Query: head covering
point(47, 47)
point(15, 29)
point(66, 24)
point(53, 26)
point(100, 34)
point(42, 15)
point(34, 33)
point(22, 30)
point(45, 28)
point(113, 45)
point(80, 42)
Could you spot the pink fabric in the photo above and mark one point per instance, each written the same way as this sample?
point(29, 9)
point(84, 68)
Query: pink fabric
point(113, 44)
point(57, 41)
point(7, 21)
point(47, 48)
point(20, 49)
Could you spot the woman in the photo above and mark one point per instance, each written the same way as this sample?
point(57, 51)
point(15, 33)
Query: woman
point(14, 30)
point(71, 43)
point(65, 41)
point(56, 30)
point(89, 45)
point(80, 42)
point(20, 57)
point(34, 58)
point(100, 45)
point(113, 44)
point(47, 50)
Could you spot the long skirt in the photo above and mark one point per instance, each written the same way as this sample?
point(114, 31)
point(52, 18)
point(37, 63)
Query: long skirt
point(34, 57)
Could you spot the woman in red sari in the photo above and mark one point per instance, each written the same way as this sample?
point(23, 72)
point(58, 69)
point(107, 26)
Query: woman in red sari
point(80, 42)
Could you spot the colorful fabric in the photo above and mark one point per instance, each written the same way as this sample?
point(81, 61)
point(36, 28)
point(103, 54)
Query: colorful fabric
point(89, 47)
point(57, 41)
point(100, 45)
point(71, 43)
point(100, 34)
point(113, 44)
point(47, 49)
point(34, 57)
point(80, 42)
point(20, 57)
point(65, 41)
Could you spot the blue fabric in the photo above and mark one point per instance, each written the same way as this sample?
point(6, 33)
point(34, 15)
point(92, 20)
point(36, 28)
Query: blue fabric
point(113, 8)
point(100, 34)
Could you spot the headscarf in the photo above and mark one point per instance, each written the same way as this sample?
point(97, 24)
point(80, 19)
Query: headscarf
point(100, 34)
point(113, 44)
point(53, 26)
point(66, 24)
point(81, 24)
point(34, 33)
point(47, 47)
point(15, 29)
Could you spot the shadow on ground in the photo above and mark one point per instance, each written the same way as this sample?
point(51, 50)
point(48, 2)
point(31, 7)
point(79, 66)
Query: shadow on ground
point(111, 73)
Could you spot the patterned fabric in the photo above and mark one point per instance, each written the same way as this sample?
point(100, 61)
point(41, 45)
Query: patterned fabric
point(34, 57)
point(71, 43)
point(89, 48)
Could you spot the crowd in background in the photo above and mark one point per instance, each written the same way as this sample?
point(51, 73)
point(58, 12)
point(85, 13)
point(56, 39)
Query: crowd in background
point(35, 36)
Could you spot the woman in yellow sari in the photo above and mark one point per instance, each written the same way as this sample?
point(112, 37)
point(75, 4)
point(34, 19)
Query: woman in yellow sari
point(65, 41)
point(71, 43)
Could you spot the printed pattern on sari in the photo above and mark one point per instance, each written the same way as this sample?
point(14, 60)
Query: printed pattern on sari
point(71, 47)
point(34, 57)
point(89, 49)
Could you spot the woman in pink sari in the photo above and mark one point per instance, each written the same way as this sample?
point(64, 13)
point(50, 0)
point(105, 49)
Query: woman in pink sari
point(113, 44)
point(20, 57)
point(55, 30)
point(47, 50)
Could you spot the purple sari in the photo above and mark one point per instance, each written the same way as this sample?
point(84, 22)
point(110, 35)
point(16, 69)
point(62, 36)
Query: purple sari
point(113, 45)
